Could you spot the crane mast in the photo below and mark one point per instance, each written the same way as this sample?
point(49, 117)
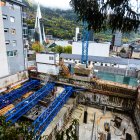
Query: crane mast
point(85, 43)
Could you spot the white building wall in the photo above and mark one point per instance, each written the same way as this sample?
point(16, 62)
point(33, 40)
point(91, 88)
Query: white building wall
point(47, 58)
point(12, 80)
point(3, 55)
point(48, 69)
point(62, 43)
point(95, 49)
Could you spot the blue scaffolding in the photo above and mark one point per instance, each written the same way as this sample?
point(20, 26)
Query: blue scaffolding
point(15, 94)
point(42, 122)
point(24, 106)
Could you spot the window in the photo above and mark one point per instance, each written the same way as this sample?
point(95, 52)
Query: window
point(12, 53)
point(13, 31)
point(6, 30)
point(7, 42)
point(25, 31)
point(12, 19)
point(5, 17)
point(15, 53)
point(51, 58)
point(14, 43)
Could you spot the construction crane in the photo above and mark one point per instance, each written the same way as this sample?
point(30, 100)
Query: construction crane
point(85, 43)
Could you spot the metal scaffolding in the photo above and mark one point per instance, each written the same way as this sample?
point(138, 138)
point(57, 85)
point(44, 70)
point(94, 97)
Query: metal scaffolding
point(15, 94)
point(23, 107)
point(42, 122)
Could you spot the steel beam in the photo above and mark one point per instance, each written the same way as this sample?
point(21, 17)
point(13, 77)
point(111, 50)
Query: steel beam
point(42, 122)
point(24, 106)
point(15, 94)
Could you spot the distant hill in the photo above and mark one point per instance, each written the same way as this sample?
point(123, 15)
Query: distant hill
point(59, 23)
point(62, 23)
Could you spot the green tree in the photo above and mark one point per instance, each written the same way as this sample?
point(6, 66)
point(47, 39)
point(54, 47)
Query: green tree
point(68, 49)
point(53, 49)
point(37, 47)
point(123, 50)
point(70, 133)
point(59, 49)
point(101, 14)
point(125, 40)
point(12, 132)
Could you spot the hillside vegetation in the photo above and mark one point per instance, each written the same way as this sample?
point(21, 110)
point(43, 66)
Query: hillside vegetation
point(62, 23)
point(59, 23)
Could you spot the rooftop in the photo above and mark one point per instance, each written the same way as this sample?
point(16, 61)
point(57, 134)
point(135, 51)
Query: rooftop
point(18, 2)
point(112, 60)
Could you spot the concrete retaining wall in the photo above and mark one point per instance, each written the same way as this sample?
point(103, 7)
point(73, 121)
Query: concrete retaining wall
point(13, 79)
point(117, 103)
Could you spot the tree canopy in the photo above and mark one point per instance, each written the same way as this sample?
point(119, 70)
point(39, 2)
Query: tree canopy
point(60, 49)
point(37, 47)
point(101, 14)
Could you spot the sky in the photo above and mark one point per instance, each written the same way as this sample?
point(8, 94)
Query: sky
point(61, 4)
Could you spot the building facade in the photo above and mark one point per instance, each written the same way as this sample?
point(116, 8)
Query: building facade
point(3, 56)
point(15, 32)
point(94, 49)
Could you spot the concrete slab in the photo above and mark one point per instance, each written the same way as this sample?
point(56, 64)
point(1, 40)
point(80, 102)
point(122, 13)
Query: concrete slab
point(85, 130)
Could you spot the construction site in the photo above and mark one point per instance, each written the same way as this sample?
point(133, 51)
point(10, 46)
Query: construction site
point(51, 97)
point(61, 88)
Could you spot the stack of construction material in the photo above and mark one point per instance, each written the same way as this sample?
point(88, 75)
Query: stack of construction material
point(6, 109)
point(27, 94)
point(80, 69)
